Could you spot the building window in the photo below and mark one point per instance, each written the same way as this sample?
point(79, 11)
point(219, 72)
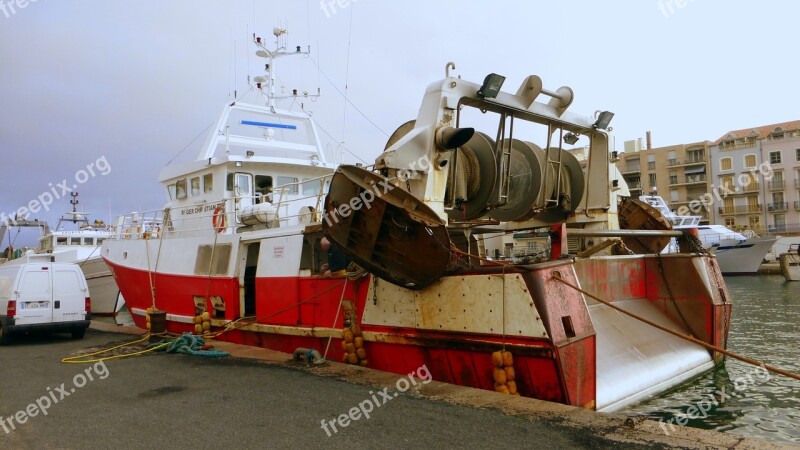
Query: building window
point(727, 163)
point(730, 222)
point(797, 154)
point(673, 195)
point(774, 157)
point(750, 160)
point(652, 177)
point(727, 183)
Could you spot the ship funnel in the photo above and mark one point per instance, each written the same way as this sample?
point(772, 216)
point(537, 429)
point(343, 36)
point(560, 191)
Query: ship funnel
point(449, 138)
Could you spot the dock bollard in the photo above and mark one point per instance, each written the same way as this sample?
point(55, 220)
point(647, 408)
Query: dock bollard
point(158, 325)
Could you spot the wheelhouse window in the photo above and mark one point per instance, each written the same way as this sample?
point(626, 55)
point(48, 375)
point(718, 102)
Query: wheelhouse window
point(208, 183)
point(288, 185)
point(75, 241)
point(180, 189)
point(171, 191)
point(195, 186)
point(312, 187)
point(264, 187)
point(62, 240)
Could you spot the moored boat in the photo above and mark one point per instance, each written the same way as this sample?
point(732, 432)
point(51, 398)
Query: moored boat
point(737, 254)
point(790, 263)
point(240, 240)
point(82, 246)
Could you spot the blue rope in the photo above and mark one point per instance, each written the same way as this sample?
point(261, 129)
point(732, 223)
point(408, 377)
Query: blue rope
point(190, 345)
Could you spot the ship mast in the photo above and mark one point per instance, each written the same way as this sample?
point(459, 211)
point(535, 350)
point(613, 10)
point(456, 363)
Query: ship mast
point(269, 68)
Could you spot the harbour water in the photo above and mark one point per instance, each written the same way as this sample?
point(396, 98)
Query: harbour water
point(740, 398)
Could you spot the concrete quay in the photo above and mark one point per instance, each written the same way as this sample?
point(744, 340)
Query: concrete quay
point(259, 398)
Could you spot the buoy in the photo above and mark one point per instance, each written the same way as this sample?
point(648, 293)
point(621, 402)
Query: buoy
point(499, 376)
point(497, 358)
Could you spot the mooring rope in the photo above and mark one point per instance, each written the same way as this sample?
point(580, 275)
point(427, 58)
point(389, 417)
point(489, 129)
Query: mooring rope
point(680, 335)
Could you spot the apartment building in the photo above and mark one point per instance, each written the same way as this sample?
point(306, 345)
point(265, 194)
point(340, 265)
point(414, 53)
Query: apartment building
point(781, 149)
point(755, 173)
point(679, 173)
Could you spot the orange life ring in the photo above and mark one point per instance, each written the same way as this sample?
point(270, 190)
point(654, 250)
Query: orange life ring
point(218, 221)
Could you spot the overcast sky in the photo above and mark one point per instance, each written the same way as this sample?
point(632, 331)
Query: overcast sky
point(126, 85)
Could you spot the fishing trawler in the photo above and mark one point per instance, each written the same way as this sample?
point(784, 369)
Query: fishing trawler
point(82, 246)
point(240, 240)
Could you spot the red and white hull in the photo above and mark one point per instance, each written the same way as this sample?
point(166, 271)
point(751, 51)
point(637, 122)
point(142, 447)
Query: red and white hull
point(566, 348)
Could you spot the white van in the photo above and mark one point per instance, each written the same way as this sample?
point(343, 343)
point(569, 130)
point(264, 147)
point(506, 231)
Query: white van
point(37, 293)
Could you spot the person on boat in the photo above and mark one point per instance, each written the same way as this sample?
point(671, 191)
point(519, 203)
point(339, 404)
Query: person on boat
point(337, 261)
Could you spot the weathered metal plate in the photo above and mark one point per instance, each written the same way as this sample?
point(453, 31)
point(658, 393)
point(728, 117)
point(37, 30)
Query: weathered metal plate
point(385, 229)
point(487, 304)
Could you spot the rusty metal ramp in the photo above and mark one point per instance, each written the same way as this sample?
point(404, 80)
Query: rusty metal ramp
point(385, 229)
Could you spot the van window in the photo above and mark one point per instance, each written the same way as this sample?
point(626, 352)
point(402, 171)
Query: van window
point(36, 284)
point(66, 282)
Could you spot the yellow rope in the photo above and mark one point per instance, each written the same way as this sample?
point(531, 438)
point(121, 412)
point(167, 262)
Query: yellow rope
point(80, 358)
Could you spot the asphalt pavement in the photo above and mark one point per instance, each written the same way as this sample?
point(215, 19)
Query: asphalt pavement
point(178, 401)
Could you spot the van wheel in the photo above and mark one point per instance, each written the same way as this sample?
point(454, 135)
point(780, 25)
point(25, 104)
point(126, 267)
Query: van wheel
point(79, 334)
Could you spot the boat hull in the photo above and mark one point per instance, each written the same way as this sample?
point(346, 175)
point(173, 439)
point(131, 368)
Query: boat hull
point(742, 257)
point(790, 266)
point(565, 346)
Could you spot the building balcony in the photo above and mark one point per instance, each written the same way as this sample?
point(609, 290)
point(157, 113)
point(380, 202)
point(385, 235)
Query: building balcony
point(737, 146)
point(740, 209)
point(689, 179)
point(686, 162)
point(631, 170)
point(777, 207)
point(752, 188)
point(776, 228)
point(634, 185)
point(796, 204)
point(696, 179)
point(777, 185)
